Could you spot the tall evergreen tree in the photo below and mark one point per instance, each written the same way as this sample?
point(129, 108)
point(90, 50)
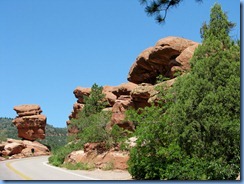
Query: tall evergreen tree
point(208, 100)
point(199, 131)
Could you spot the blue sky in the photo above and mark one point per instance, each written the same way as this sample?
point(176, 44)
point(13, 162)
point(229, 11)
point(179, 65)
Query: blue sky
point(49, 47)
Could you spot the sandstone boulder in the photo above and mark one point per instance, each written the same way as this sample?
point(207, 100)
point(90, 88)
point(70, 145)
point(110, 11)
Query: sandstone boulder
point(32, 125)
point(141, 95)
point(13, 148)
point(177, 43)
point(109, 96)
point(95, 155)
point(22, 148)
point(124, 89)
point(28, 110)
point(35, 148)
point(160, 59)
point(80, 92)
point(118, 112)
point(77, 107)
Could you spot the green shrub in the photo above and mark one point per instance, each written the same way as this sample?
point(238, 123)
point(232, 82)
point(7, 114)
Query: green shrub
point(78, 166)
point(59, 155)
point(108, 166)
point(91, 123)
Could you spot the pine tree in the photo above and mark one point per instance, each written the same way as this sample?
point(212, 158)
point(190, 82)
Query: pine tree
point(95, 102)
point(208, 101)
point(159, 8)
point(197, 135)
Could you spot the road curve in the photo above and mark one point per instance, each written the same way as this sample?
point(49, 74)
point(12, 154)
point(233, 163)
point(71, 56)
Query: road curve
point(37, 168)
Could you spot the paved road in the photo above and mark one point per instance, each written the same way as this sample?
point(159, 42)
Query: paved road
point(36, 168)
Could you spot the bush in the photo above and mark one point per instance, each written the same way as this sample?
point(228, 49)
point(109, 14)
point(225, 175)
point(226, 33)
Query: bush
point(79, 166)
point(59, 155)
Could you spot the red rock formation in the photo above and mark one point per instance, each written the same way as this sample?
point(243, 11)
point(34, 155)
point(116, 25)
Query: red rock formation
point(13, 148)
point(80, 92)
point(141, 94)
point(118, 112)
point(95, 155)
point(111, 95)
point(29, 122)
point(124, 89)
point(160, 59)
point(168, 56)
point(21, 148)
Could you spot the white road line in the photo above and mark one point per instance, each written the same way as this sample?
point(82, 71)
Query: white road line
point(45, 163)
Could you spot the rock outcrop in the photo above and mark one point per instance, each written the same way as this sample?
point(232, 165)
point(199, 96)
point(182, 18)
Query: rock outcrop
point(114, 95)
point(21, 148)
point(30, 122)
point(95, 155)
point(167, 56)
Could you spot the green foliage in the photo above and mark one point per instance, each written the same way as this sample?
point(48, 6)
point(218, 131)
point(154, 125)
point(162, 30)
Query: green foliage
point(161, 78)
point(78, 166)
point(92, 125)
point(58, 156)
point(92, 121)
point(159, 8)
point(148, 157)
point(108, 166)
point(3, 135)
point(119, 135)
point(196, 134)
point(95, 102)
point(8, 130)
point(55, 137)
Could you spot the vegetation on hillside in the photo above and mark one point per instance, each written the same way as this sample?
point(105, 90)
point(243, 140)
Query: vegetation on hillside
point(7, 129)
point(91, 123)
point(55, 137)
point(194, 133)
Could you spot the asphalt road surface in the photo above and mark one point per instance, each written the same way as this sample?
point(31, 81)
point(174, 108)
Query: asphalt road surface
point(37, 168)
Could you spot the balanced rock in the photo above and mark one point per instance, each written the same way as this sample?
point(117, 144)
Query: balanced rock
point(30, 122)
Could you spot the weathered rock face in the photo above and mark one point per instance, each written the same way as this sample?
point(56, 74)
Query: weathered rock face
point(29, 122)
point(168, 56)
point(159, 60)
point(115, 96)
point(118, 112)
point(141, 94)
point(95, 155)
point(21, 148)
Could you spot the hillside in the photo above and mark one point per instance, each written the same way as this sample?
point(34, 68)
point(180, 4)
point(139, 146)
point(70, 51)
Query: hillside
point(55, 137)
